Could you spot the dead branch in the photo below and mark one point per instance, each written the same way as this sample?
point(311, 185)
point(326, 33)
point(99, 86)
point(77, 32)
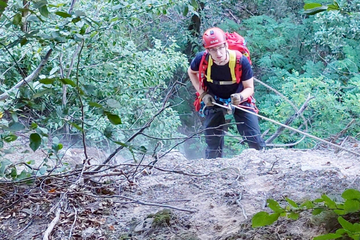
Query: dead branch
point(285, 98)
point(132, 200)
point(29, 78)
point(146, 125)
point(52, 224)
point(342, 132)
point(289, 121)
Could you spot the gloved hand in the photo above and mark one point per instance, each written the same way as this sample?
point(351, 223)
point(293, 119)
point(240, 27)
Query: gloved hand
point(207, 99)
point(236, 99)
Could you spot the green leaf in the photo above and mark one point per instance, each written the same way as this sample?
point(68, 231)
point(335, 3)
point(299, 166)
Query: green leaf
point(3, 5)
point(108, 132)
point(333, 7)
point(346, 225)
point(194, 4)
point(35, 141)
point(68, 82)
point(186, 10)
point(315, 10)
point(47, 80)
point(317, 211)
point(17, 19)
point(44, 11)
point(293, 215)
point(351, 194)
point(13, 173)
point(24, 174)
point(42, 171)
point(15, 126)
point(63, 14)
point(330, 203)
point(274, 205)
point(351, 206)
point(292, 203)
point(76, 126)
point(39, 4)
point(261, 219)
point(114, 119)
point(308, 6)
point(10, 138)
point(113, 103)
point(23, 41)
point(307, 204)
point(57, 147)
point(3, 165)
point(94, 104)
point(328, 236)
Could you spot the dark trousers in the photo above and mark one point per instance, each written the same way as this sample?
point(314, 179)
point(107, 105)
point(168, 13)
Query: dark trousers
point(247, 125)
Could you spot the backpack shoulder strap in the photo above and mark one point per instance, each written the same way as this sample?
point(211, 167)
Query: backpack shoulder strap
point(235, 65)
point(238, 67)
point(202, 68)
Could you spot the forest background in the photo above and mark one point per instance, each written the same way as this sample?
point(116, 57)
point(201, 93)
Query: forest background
point(113, 74)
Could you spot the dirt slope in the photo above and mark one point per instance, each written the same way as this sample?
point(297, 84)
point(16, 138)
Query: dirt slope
point(185, 199)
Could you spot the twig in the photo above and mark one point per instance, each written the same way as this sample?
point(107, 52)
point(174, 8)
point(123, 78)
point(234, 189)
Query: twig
point(22, 230)
point(144, 203)
point(72, 226)
point(241, 206)
point(52, 224)
point(288, 121)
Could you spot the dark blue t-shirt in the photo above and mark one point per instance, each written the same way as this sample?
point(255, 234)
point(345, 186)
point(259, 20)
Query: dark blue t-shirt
point(222, 73)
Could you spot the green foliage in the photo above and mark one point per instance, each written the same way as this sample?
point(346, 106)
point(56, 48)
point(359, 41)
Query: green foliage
point(350, 205)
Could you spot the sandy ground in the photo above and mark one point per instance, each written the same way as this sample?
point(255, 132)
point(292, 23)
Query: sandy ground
point(188, 199)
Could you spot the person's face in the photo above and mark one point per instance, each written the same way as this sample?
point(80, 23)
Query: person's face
point(218, 53)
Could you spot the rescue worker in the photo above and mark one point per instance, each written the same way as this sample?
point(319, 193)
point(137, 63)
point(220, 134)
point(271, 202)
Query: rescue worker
point(220, 89)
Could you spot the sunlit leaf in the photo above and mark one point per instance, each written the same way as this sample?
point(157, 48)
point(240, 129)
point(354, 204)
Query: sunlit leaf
point(351, 194)
point(10, 138)
point(261, 219)
point(308, 6)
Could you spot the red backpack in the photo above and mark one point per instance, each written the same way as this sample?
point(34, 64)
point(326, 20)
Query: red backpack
point(235, 42)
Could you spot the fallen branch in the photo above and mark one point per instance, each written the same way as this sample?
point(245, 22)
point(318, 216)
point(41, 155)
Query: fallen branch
point(289, 121)
point(29, 78)
point(144, 203)
point(52, 224)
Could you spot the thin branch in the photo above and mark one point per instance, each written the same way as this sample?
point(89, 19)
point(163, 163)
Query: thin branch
point(52, 224)
point(146, 125)
point(289, 121)
point(29, 78)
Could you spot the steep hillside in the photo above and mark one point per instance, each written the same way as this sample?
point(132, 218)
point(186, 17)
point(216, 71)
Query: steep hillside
point(180, 198)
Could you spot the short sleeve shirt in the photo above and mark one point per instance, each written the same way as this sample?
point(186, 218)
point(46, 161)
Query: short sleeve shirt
point(222, 73)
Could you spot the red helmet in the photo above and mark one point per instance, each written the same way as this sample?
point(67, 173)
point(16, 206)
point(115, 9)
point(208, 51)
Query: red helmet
point(213, 37)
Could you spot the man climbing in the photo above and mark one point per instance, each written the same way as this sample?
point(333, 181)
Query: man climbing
point(227, 78)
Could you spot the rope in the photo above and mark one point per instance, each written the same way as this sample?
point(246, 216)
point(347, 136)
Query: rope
point(288, 127)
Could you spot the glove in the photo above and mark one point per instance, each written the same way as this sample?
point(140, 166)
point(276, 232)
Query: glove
point(236, 99)
point(207, 99)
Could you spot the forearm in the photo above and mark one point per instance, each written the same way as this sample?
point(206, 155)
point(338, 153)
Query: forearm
point(247, 92)
point(248, 89)
point(195, 81)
